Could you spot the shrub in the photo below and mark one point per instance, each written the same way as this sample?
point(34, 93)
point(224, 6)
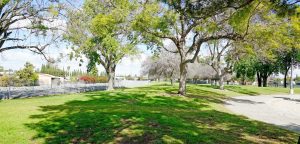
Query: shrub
point(87, 79)
point(93, 79)
point(13, 80)
point(4, 81)
point(101, 79)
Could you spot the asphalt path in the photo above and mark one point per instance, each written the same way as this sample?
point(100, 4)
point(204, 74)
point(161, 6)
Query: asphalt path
point(280, 110)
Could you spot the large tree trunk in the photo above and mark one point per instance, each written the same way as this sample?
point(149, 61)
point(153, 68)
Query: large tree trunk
point(111, 77)
point(182, 79)
point(221, 79)
point(258, 76)
point(221, 83)
point(284, 80)
point(172, 81)
point(171, 78)
point(265, 80)
point(243, 80)
point(285, 77)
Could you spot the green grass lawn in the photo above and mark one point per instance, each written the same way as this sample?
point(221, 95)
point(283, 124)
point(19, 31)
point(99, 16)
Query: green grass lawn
point(153, 114)
point(254, 90)
point(235, 90)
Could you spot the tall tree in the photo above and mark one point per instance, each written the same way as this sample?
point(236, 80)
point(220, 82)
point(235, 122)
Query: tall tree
point(244, 68)
point(289, 54)
point(217, 59)
point(264, 69)
point(165, 65)
point(27, 74)
point(25, 23)
point(200, 71)
point(269, 35)
point(190, 24)
point(52, 69)
point(285, 60)
point(101, 31)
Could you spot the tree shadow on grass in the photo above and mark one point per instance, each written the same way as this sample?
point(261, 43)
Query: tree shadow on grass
point(289, 99)
point(236, 89)
point(196, 93)
point(241, 90)
point(142, 117)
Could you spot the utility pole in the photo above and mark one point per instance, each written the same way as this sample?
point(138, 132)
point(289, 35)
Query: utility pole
point(9, 83)
point(291, 81)
point(292, 64)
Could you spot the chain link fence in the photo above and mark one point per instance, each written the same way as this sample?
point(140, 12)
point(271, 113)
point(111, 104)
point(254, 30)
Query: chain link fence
point(31, 91)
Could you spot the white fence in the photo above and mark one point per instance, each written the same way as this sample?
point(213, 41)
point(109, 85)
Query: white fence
point(31, 91)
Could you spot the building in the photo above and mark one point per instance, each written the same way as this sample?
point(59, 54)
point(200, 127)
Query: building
point(47, 79)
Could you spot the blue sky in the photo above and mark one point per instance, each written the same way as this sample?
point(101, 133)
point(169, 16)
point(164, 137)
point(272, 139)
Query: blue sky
point(15, 60)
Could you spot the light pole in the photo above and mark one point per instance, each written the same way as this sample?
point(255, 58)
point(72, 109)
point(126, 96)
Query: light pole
point(291, 81)
point(292, 63)
point(9, 83)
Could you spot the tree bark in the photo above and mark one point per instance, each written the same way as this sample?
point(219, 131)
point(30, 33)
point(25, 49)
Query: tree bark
point(221, 79)
point(284, 80)
point(285, 77)
point(265, 80)
point(172, 82)
point(182, 79)
point(221, 83)
point(243, 80)
point(259, 82)
point(111, 77)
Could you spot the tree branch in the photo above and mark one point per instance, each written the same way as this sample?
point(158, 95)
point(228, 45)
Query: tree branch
point(32, 48)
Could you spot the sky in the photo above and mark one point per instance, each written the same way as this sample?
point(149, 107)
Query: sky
point(15, 60)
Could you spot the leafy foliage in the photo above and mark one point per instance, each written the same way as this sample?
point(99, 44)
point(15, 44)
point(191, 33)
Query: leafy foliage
point(245, 68)
point(164, 66)
point(27, 75)
point(93, 79)
point(24, 20)
point(101, 31)
point(189, 25)
point(53, 70)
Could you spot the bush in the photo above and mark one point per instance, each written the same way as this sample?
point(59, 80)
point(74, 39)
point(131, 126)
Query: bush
point(101, 79)
point(93, 79)
point(27, 76)
point(87, 79)
point(297, 78)
point(13, 80)
point(4, 81)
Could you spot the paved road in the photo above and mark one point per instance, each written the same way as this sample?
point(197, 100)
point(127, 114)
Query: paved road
point(281, 110)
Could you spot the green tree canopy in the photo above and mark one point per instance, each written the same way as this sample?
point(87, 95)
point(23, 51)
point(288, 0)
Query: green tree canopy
point(101, 31)
point(52, 70)
point(27, 74)
point(191, 24)
point(272, 39)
